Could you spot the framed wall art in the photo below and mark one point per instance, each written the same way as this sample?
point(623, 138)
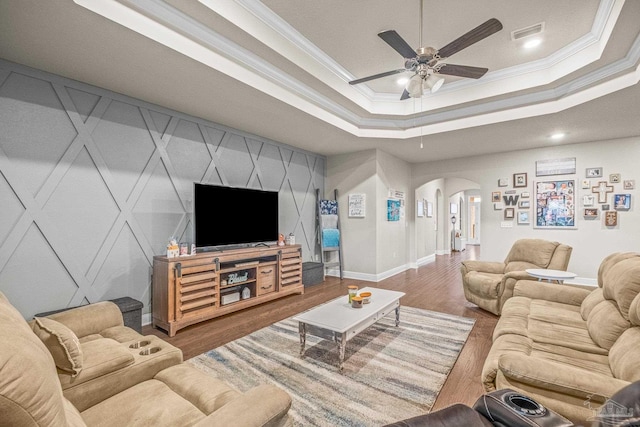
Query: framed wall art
point(611, 218)
point(519, 180)
point(523, 217)
point(588, 200)
point(622, 202)
point(393, 210)
point(555, 204)
point(591, 213)
point(503, 182)
point(593, 172)
point(629, 184)
point(509, 213)
point(586, 183)
point(524, 204)
point(564, 166)
point(357, 205)
point(614, 178)
point(496, 196)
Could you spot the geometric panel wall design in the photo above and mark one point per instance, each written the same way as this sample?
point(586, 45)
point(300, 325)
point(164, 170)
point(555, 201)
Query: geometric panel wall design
point(93, 184)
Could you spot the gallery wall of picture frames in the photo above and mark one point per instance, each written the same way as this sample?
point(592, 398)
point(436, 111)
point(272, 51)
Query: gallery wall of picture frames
point(556, 201)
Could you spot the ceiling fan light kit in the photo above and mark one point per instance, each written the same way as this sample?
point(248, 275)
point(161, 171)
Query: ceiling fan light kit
point(425, 63)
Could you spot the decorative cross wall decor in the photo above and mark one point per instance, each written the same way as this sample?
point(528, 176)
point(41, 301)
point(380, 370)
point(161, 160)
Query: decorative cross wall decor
point(602, 189)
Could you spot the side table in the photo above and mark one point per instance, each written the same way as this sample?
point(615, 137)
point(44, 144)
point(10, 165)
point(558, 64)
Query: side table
point(550, 275)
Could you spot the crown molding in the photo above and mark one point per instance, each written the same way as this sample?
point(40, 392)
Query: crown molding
point(164, 24)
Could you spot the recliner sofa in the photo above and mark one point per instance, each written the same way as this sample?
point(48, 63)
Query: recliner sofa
point(83, 367)
point(488, 284)
point(566, 347)
point(497, 409)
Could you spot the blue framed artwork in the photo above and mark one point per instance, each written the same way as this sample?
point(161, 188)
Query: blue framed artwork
point(393, 210)
point(622, 202)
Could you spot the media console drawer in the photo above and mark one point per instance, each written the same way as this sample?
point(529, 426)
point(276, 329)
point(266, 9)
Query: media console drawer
point(266, 278)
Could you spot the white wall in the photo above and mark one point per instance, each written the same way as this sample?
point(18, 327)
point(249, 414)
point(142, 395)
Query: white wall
point(591, 241)
point(392, 236)
point(373, 248)
point(425, 229)
point(356, 173)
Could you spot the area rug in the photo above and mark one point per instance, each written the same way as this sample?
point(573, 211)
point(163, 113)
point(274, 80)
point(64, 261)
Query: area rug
point(390, 373)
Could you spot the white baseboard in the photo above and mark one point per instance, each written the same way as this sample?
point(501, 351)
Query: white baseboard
point(584, 281)
point(146, 319)
point(442, 252)
point(426, 260)
point(367, 277)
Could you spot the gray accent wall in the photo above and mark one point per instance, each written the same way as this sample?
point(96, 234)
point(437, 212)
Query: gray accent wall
point(93, 184)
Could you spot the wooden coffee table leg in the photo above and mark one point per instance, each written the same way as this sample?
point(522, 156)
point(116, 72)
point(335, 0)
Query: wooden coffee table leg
point(302, 330)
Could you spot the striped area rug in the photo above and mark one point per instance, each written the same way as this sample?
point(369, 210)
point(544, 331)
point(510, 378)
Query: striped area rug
point(390, 373)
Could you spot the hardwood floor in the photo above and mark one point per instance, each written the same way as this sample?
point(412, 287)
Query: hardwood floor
point(436, 286)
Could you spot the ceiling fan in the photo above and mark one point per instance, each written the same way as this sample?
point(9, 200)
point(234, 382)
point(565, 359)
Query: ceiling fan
point(425, 63)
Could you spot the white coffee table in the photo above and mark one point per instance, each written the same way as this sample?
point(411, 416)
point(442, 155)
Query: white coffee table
point(336, 320)
point(549, 275)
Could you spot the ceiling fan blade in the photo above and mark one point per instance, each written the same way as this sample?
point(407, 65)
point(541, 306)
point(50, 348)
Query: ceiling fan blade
point(377, 76)
point(480, 32)
point(405, 95)
point(462, 71)
point(394, 40)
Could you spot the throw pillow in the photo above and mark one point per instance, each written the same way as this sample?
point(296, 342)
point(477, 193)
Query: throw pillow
point(61, 342)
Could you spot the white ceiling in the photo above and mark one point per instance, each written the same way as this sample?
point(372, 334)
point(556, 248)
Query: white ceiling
point(280, 68)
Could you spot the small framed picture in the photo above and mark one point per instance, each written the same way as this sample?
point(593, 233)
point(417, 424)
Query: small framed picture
point(524, 204)
point(523, 217)
point(593, 172)
point(519, 180)
point(588, 200)
point(503, 182)
point(611, 218)
point(495, 196)
point(509, 213)
point(524, 194)
point(590, 213)
point(614, 178)
point(629, 184)
point(497, 206)
point(586, 184)
point(605, 207)
point(622, 202)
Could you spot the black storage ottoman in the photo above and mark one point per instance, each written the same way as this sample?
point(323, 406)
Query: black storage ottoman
point(312, 273)
point(131, 312)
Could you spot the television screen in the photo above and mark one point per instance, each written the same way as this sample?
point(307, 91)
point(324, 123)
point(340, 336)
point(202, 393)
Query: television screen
point(234, 216)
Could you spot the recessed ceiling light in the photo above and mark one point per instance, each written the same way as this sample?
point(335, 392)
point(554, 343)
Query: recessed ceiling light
point(403, 81)
point(532, 43)
point(558, 136)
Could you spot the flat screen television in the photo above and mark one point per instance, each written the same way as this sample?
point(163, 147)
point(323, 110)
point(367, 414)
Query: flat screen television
point(228, 216)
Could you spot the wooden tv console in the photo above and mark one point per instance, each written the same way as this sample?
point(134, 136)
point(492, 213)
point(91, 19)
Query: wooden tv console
point(192, 289)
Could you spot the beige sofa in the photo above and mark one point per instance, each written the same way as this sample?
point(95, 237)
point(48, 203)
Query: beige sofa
point(83, 367)
point(489, 284)
point(566, 347)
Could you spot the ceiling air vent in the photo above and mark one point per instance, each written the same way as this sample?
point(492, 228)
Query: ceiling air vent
point(527, 31)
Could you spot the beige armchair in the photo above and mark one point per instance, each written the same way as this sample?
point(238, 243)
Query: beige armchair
point(489, 284)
